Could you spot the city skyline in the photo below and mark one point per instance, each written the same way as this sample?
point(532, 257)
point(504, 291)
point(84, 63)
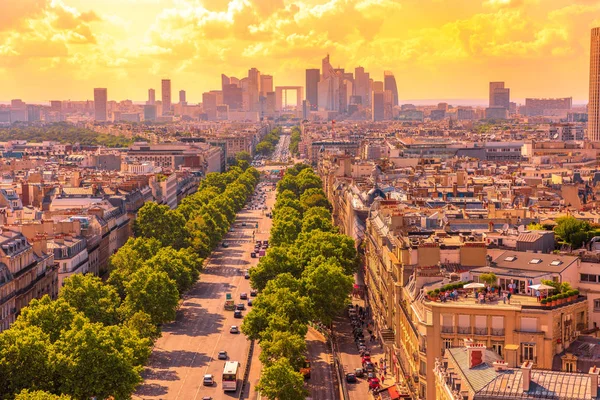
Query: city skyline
point(454, 52)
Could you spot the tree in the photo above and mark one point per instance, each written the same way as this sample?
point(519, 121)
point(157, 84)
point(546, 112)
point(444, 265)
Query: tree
point(284, 204)
point(489, 278)
point(130, 258)
point(278, 260)
point(283, 344)
point(243, 155)
point(286, 194)
point(161, 223)
point(559, 287)
point(52, 317)
point(568, 227)
point(535, 227)
point(98, 301)
point(307, 179)
point(285, 230)
point(264, 148)
point(25, 360)
point(279, 381)
point(288, 182)
point(328, 288)
point(90, 362)
point(296, 169)
point(315, 243)
point(152, 292)
point(40, 395)
point(314, 197)
point(141, 323)
point(315, 221)
point(173, 263)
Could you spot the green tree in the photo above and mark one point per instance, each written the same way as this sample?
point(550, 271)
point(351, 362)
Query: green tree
point(130, 258)
point(315, 243)
point(283, 344)
point(141, 323)
point(152, 292)
point(25, 360)
point(534, 226)
point(40, 395)
point(285, 231)
point(307, 179)
point(287, 194)
point(288, 182)
point(280, 381)
point(567, 227)
point(285, 203)
point(318, 220)
point(52, 317)
point(314, 197)
point(173, 263)
point(296, 169)
point(278, 260)
point(489, 278)
point(264, 148)
point(89, 363)
point(328, 287)
point(98, 301)
point(243, 155)
point(161, 223)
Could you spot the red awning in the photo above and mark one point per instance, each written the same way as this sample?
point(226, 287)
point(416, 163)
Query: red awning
point(393, 392)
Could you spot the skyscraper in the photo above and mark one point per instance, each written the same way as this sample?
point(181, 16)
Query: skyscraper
point(253, 89)
point(312, 88)
point(389, 82)
point(329, 87)
point(593, 132)
point(499, 95)
point(182, 99)
point(166, 96)
point(361, 85)
point(100, 100)
point(151, 97)
point(266, 84)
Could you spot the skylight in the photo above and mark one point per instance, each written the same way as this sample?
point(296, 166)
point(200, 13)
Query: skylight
point(535, 261)
point(510, 258)
point(556, 262)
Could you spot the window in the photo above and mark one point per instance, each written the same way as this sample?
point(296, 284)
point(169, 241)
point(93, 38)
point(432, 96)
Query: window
point(588, 278)
point(569, 367)
point(447, 343)
point(528, 324)
point(498, 347)
point(528, 351)
point(596, 304)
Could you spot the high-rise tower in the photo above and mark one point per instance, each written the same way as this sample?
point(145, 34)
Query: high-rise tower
point(100, 101)
point(389, 82)
point(151, 97)
point(166, 96)
point(312, 87)
point(593, 132)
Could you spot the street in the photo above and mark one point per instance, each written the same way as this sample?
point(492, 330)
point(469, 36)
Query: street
point(320, 384)
point(189, 346)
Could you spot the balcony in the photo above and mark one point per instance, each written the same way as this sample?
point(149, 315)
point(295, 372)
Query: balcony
point(447, 329)
point(464, 330)
point(497, 331)
point(481, 331)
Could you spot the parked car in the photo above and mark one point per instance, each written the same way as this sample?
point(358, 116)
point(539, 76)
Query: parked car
point(374, 384)
point(222, 355)
point(246, 275)
point(250, 303)
point(234, 329)
point(359, 372)
point(208, 380)
point(225, 245)
point(369, 367)
point(253, 293)
point(350, 377)
point(242, 307)
point(253, 254)
point(237, 314)
point(244, 296)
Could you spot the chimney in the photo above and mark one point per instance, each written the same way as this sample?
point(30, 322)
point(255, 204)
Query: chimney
point(500, 365)
point(594, 371)
point(475, 354)
point(526, 372)
point(455, 189)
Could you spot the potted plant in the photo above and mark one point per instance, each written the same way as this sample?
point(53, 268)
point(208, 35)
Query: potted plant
point(571, 294)
point(553, 301)
point(576, 294)
point(544, 302)
point(562, 298)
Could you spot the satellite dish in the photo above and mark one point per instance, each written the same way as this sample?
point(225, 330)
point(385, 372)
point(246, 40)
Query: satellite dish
point(505, 227)
point(521, 228)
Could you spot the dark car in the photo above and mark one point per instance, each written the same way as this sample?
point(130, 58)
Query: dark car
point(250, 303)
point(351, 378)
point(253, 293)
point(237, 314)
point(369, 367)
point(225, 245)
point(242, 306)
point(253, 254)
point(244, 296)
point(222, 355)
point(246, 275)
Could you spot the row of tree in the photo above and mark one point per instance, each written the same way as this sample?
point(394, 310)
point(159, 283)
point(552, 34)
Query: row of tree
point(95, 338)
point(268, 143)
point(62, 132)
point(305, 276)
point(295, 140)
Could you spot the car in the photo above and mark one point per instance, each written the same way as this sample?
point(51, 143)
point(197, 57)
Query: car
point(242, 307)
point(234, 329)
point(374, 384)
point(246, 275)
point(244, 296)
point(243, 224)
point(359, 372)
point(370, 376)
point(253, 254)
point(225, 245)
point(351, 377)
point(366, 359)
point(222, 355)
point(250, 303)
point(253, 293)
point(369, 367)
point(237, 314)
point(208, 380)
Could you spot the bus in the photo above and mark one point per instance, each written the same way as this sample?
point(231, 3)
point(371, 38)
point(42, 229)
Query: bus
point(230, 376)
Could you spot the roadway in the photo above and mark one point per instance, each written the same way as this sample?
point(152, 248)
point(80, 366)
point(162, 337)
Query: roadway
point(320, 384)
point(188, 347)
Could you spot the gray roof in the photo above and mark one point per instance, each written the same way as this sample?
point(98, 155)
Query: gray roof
point(523, 261)
point(479, 376)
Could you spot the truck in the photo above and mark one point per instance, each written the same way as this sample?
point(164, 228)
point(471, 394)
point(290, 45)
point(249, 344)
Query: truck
point(229, 303)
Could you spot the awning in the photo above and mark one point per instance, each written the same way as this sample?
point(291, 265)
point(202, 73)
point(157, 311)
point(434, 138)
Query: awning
point(390, 393)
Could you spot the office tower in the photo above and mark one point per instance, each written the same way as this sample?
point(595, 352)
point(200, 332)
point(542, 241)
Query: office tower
point(151, 97)
point(377, 86)
point(266, 84)
point(224, 81)
point(312, 87)
point(361, 85)
point(390, 84)
point(100, 102)
point(166, 96)
point(593, 133)
point(149, 112)
point(33, 113)
point(253, 89)
point(182, 97)
point(329, 87)
point(378, 106)
point(499, 95)
point(56, 105)
point(233, 96)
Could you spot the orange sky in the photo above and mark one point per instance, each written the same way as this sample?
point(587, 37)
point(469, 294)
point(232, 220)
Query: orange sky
point(438, 49)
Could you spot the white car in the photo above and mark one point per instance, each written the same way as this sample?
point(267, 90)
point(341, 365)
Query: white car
point(208, 380)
